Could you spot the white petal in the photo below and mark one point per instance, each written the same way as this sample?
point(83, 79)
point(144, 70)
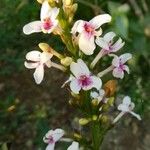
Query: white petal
point(33, 55)
point(32, 27)
point(102, 43)
point(115, 61)
point(126, 68)
point(118, 73)
point(97, 82)
point(39, 74)
point(100, 19)
point(118, 45)
point(125, 57)
point(79, 68)
point(108, 37)
point(45, 57)
point(50, 146)
point(86, 43)
point(123, 108)
point(48, 63)
point(78, 27)
point(101, 92)
point(54, 13)
point(74, 86)
point(57, 134)
point(73, 146)
point(94, 94)
point(127, 100)
point(30, 65)
point(45, 10)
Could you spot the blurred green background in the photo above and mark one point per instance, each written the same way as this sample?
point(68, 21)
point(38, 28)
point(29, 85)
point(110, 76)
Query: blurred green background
point(28, 111)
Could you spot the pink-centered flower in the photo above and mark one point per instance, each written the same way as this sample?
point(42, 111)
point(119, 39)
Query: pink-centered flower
point(87, 31)
point(119, 66)
point(82, 78)
point(37, 60)
point(47, 23)
point(126, 107)
point(107, 44)
point(52, 137)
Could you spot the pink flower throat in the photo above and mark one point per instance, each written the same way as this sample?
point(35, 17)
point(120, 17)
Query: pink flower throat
point(84, 81)
point(88, 28)
point(47, 24)
point(51, 140)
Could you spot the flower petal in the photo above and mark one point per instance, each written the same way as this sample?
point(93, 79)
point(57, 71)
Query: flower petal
point(118, 73)
point(32, 27)
point(45, 57)
point(115, 61)
point(54, 13)
point(45, 10)
point(78, 27)
point(73, 146)
point(39, 74)
point(94, 94)
point(50, 146)
point(102, 43)
point(79, 68)
point(125, 57)
point(86, 43)
point(108, 37)
point(33, 55)
point(74, 86)
point(126, 100)
point(30, 65)
point(135, 115)
point(123, 108)
point(57, 134)
point(97, 82)
point(126, 68)
point(118, 45)
point(100, 19)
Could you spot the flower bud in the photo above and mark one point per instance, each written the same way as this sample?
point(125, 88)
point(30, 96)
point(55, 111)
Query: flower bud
point(94, 117)
point(111, 101)
point(40, 1)
point(84, 121)
point(46, 48)
point(77, 136)
point(95, 102)
point(67, 2)
point(66, 61)
point(104, 119)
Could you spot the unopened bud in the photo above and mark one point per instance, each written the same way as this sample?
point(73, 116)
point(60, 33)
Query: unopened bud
point(104, 118)
point(66, 61)
point(40, 1)
point(77, 136)
point(67, 2)
point(94, 117)
point(95, 102)
point(46, 48)
point(84, 121)
point(111, 101)
point(105, 107)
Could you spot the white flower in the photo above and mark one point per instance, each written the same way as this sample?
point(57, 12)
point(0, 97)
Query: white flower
point(82, 78)
point(126, 107)
point(100, 96)
point(47, 23)
point(73, 146)
point(37, 60)
point(107, 44)
point(119, 65)
point(87, 32)
point(52, 137)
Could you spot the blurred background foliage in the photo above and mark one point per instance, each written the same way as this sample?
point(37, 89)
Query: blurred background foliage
point(27, 111)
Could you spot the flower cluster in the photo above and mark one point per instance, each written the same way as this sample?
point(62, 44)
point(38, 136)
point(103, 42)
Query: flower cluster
point(89, 93)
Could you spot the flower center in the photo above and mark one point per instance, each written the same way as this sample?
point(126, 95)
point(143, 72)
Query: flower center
point(50, 140)
point(84, 80)
point(47, 24)
point(88, 28)
point(121, 66)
